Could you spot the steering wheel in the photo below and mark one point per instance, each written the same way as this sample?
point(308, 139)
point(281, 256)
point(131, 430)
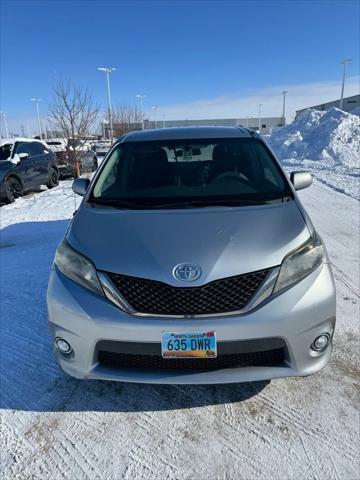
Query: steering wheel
point(239, 177)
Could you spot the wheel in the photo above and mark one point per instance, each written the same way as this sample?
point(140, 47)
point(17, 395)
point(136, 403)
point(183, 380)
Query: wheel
point(53, 179)
point(13, 189)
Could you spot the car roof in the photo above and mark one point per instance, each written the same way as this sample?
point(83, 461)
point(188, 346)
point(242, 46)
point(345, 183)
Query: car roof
point(184, 133)
point(5, 141)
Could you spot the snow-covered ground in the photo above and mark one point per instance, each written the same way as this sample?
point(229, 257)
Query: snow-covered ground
point(55, 427)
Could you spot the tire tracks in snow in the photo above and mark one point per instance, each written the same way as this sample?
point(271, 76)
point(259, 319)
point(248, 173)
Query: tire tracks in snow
point(342, 277)
point(315, 430)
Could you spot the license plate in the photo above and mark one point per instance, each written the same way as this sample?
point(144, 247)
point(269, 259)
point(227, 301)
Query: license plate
point(188, 345)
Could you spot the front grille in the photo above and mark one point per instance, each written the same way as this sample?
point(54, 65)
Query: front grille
point(220, 296)
point(268, 358)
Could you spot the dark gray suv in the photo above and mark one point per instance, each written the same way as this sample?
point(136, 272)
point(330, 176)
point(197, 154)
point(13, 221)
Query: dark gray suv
point(25, 164)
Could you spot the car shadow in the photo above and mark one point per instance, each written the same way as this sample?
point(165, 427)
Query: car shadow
point(30, 377)
point(28, 194)
point(69, 395)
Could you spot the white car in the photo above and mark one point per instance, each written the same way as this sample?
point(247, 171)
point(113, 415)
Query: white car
point(101, 149)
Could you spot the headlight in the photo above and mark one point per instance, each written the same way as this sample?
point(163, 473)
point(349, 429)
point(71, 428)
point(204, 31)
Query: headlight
point(77, 267)
point(299, 263)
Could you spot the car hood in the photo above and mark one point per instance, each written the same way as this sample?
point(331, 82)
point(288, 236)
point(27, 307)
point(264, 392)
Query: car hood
point(223, 241)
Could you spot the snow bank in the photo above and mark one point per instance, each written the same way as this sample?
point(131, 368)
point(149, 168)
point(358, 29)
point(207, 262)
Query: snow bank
point(332, 137)
point(58, 203)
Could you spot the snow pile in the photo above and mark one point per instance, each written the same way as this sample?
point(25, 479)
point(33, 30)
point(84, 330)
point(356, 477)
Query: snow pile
point(58, 203)
point(332, 136)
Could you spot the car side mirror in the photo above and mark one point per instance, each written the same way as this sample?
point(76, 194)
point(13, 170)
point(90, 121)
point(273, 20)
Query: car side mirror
point(301, 180)
point(23, 156)
point(80, 185)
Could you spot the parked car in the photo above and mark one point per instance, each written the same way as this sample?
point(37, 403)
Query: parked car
point(101, 148)
point(191, 260)
point(87, 156)
point(57, 145)
point(65, 157)
point(25, 164)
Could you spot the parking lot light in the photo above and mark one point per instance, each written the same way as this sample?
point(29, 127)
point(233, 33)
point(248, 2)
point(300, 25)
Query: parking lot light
point(155, 108)
point(5, 124)
point(283, 111)
point(107, 71)
point(141, 97)
point(344, 62)
point(36, 101)
point(260, 105)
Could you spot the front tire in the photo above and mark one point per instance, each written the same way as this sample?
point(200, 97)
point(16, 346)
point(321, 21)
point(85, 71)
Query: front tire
point(53, 178)
point(13, 189)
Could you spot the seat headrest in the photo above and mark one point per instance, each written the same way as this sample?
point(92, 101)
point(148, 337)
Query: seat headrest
point(159, 157)
point(219, 153)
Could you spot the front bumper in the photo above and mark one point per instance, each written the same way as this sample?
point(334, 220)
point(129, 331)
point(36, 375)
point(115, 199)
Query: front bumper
point(296, 316)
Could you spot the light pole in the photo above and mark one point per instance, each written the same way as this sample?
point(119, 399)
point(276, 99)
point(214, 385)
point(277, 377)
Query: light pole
point(36, 101)
point(260, 105)
point(5, 124)
point(344, 62)
point(141, 97)
point(107, 71)
point(103, 123)
point(154, 108)
point(283, 113)
point(45, 130)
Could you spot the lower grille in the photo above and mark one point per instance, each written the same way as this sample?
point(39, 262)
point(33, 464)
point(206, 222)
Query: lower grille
point(273, 357)
point(220, 296)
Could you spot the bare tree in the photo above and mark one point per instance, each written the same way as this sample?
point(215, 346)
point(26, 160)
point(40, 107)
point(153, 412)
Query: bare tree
point(73, 112)
point(126, 118)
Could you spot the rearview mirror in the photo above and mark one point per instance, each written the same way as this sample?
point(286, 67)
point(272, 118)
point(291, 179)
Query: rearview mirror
point(301, 180)
point(80, 185)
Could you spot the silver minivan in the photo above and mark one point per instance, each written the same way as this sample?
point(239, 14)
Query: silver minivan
point(191, 261)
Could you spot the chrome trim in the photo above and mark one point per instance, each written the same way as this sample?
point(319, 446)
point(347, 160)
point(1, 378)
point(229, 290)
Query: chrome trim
point(112, 293)
point(187, 268)
point(264, 291)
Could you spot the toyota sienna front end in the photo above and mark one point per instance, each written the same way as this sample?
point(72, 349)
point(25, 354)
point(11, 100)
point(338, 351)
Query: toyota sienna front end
point(191, 260)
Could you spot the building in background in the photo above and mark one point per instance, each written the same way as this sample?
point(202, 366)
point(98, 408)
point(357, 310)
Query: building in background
point(267, 124)
point(349, 104)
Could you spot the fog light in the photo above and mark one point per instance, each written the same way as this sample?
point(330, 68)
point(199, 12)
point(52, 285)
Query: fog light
point(63, 346)
point(320, 343)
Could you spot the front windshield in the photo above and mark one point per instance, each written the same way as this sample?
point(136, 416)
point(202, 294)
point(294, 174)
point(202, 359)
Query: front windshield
point(157, 174)
point(5, 151)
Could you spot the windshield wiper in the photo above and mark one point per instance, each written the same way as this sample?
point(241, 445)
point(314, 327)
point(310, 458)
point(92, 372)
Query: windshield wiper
point(123, 204)
point(210, 203)
point(113, 202)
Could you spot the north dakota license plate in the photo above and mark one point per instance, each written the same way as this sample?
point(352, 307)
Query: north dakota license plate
point(188, 345)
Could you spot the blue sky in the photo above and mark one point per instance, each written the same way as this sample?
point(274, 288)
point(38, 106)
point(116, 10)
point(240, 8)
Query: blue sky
point(192, 58)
